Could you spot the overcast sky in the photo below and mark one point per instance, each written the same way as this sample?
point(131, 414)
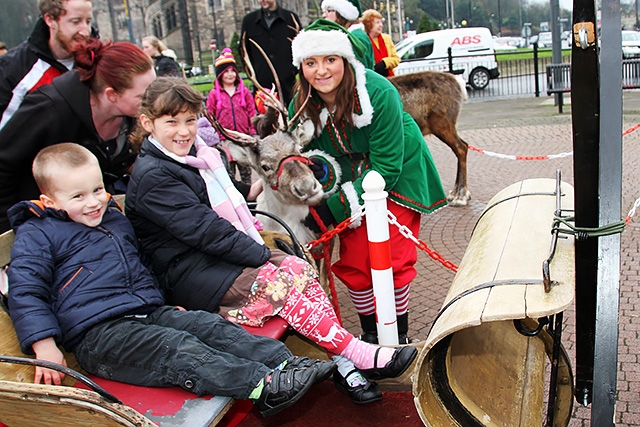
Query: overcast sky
point(565, 4)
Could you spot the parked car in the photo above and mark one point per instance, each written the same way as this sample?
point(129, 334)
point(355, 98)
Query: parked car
point(544, 39)
point(506, 43)
point(630, 44)
point(472, 53)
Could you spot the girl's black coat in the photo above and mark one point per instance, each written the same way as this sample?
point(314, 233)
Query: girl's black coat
point(196, 254)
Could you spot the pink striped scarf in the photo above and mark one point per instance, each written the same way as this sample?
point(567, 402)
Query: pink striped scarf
point(224, 198)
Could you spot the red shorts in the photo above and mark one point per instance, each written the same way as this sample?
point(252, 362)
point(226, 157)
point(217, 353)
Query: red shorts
point(354, 266)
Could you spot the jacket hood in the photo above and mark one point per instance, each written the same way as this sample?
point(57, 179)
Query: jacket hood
point(39, 42)
point(23, 211)
point(76, 95)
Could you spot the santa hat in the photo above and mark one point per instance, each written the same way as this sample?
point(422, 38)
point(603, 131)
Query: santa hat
point(224, 61)
point(348, 9)
point(323, 38)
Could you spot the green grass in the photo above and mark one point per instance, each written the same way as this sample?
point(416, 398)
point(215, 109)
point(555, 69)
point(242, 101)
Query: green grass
point(204, 84)
point(526, 53)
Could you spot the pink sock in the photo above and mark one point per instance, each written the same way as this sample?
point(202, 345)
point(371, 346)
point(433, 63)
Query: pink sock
point(362, 354)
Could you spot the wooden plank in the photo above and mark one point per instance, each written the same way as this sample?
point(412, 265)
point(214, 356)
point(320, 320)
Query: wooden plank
point(40, 405)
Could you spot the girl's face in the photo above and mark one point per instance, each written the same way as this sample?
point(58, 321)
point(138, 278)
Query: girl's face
point(229, 76)
point(175, 133)
point(324, 74)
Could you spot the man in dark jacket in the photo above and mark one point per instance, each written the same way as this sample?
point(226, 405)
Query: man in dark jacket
point(77, 280)
point(273, 28)
point(46, 54)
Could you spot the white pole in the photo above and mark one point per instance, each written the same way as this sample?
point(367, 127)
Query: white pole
point(375, 202)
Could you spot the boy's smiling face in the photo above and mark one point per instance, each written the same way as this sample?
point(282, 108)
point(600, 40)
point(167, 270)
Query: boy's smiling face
point(80, 192)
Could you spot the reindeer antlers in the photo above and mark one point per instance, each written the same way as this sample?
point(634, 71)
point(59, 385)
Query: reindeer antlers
point(251, 74)
point(237, 137)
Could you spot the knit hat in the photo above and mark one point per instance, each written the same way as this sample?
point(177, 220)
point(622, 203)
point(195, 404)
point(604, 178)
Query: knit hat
point(207, 132)
point(348, 9)
point(324, 38)
point(224, 61)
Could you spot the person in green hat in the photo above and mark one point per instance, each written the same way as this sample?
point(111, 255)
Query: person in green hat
point(348, 13)
point(353, 124)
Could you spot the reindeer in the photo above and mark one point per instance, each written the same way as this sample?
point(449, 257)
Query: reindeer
point(434, 100)
point(289, 186)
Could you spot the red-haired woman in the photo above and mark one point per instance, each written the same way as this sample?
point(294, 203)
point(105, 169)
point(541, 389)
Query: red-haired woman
point(384, 52)
point(94, 105)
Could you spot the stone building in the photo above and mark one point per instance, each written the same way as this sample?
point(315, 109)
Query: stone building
point(186, 26)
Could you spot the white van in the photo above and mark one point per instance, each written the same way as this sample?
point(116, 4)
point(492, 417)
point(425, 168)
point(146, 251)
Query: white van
point(472, 54)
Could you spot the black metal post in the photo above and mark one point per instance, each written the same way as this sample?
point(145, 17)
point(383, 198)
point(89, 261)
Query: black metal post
point(536, 70)
point(585, 112)
point(605, 367)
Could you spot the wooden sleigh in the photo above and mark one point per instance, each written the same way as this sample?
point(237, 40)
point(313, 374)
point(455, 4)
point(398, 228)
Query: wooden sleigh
point(87, 400)
point(486, 357)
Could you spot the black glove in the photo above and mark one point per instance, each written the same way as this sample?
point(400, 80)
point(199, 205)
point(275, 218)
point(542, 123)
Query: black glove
point(381, 68)
point(325, 215)
point(319, 168)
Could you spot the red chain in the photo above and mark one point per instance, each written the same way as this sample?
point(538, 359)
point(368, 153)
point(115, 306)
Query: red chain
point(437, 257)
point(326, 254)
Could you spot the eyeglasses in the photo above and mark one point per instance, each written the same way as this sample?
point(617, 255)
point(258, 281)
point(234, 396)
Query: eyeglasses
point(328, 10)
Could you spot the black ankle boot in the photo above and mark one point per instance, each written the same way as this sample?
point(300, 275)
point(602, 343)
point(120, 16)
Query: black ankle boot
point(369, 328)
point(403, 328)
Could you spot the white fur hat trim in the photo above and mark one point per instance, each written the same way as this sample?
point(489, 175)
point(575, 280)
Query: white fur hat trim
point(345, 8)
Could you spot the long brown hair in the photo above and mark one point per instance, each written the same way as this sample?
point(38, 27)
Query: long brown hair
point(345, 98)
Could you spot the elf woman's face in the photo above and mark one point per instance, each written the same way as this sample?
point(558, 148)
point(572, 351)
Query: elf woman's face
point(324, 74)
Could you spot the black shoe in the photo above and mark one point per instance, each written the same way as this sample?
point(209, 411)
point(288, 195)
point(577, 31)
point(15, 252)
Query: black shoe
point(283, 388)
point(369, 337)
point(404, 340)
point(325, 367)
point(367, 393)
point(400, 362)
point(369, 328)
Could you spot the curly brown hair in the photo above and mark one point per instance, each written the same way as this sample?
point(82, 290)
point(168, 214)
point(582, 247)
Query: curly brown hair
point(368, 18)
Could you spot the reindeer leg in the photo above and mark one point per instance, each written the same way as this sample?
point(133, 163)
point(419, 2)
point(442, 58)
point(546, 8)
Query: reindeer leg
point(446, 132)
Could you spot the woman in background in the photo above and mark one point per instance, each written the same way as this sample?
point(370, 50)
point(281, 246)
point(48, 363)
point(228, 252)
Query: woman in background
point(164, 59)
point(384, 52)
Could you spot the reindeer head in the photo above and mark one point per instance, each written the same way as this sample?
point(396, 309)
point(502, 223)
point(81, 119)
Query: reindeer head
point(279, 163)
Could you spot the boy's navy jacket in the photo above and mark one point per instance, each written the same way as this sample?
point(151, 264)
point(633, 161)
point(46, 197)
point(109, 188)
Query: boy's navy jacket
point(66, 277)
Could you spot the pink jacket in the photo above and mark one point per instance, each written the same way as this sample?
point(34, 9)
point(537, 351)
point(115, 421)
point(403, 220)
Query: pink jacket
point(233, 112)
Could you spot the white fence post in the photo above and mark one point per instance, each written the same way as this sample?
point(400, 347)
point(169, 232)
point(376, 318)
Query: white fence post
point(375, 202)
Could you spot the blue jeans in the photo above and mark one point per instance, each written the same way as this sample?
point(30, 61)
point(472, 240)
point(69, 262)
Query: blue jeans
point(196, 350)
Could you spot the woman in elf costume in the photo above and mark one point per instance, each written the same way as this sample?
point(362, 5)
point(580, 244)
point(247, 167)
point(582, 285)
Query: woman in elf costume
point(354, 122)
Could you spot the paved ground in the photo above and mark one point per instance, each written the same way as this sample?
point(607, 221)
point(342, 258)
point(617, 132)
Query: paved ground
point(529, 126)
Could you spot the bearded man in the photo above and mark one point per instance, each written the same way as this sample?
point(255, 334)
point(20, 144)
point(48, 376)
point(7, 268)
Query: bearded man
point(46, 54)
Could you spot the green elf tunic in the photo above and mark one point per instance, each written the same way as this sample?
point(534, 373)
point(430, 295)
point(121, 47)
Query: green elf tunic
point(385, 139)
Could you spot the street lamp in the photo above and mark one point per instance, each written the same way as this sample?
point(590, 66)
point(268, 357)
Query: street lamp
point(408, 23)
point(215, 25)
